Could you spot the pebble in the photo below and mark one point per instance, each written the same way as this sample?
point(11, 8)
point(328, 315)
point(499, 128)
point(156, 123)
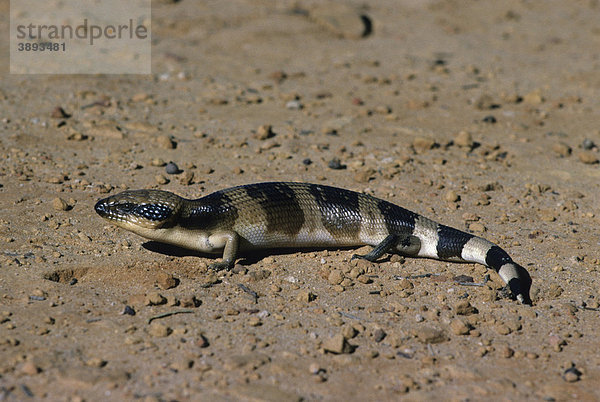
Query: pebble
point(294, 105)
point(506, 352)
point(341, 19)
point(159, 330)
point(164, 141)
point(95, 362)
point(172, 168)
point(154, 299)
point(588, 157)
point(158, 162)
point(128, 310)
point(187, 178)
point(463, 307)
point(30, 368)
point(305, 296)
point(431, 335)
point(464, 139)
point(166, 281)
point(379, 335)
point(459, 327)
point(477, 227)
point(337, 344)
point(572, 374)
point(335, 277)
point(161, 179)
point(336, 164)
point(490, 119)
point(59, 113)
point(533, 98)
point(263, 132)
point(486, 102)
point(587, 144)
point(554, 291)
point(451, 196)
point(562, 149)
point(314, 368)
point(59, 204)
point(421, 144)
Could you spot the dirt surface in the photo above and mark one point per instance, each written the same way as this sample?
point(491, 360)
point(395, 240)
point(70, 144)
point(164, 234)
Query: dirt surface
point(482, 115)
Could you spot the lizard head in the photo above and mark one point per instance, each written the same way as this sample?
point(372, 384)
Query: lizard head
point(140, 211)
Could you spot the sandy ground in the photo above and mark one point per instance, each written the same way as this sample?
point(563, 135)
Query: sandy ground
point(483, 115)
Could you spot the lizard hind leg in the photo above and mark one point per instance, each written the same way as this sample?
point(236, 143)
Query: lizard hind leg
point(404, 244)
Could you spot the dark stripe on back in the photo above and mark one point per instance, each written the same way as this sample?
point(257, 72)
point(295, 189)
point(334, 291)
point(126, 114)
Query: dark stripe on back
point(496, 258)
point(451, 242)
point(397, 219)
point(280, 204)
point(340, 212)
point(213, 211)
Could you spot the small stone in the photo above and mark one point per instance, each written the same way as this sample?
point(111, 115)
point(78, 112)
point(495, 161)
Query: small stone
point(451, 196)
point(506, 352)
point(477, 227)
point(158, 162)
point(128, 310)
point(294, 105)
point(562, 149)
point(491, 119)
point(166, 281)
point(164, 141)
point(548, 215)
point(533, 98)
point(431, 335)
point(463, 307)
point(314, 368)
point(190, 301)
point(349, 332)
point(341, 19)
point(161, 179)
point(263, 132)
point(335, 277)
point(159, 330)
point(95, 362)
point(378, 335)
point(59, 113)
point(555, 291)
point(458, 327)
point(486, 102)
point(29, 368)
point(587, 144)
point(59, 204)
point(337, 345)
point(588, 157)
point(405, 284)
point(172, 168)
point(464, 139)
point(421, 144)
point(202, 342)
point(187, 178)
point(503, 329)
point(572, 374)
point(254, 321)
point(305, 296)
point(335, 164)
point(154, 299)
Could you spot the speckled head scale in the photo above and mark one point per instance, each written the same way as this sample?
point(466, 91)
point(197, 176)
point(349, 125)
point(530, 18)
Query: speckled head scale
point(151, 209)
